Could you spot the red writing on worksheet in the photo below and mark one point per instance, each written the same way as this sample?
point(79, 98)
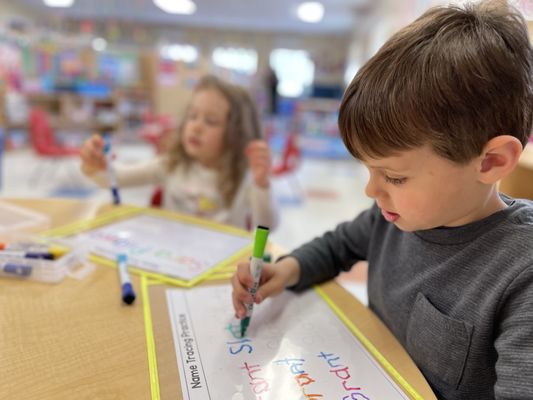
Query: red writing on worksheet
point(258, 383)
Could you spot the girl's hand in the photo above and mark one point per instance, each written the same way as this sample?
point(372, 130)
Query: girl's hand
point(260, 161)
point(274, 279)
point(92, 155)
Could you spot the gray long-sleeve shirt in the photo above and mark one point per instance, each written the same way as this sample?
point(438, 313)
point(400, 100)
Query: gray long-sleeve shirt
point(460, 300)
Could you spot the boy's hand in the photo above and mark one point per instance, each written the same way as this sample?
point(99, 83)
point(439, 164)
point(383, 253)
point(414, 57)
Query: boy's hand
point(274, 279)
point(92, 155)
point(260, 161)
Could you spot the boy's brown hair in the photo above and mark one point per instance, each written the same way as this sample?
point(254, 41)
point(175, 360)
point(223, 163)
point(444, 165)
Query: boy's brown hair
point(242, 126)
point(453, 79)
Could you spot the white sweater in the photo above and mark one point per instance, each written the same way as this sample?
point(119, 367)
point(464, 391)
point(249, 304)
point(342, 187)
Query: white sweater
point(195, 191)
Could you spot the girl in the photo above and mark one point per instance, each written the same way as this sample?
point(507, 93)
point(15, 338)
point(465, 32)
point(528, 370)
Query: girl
point(217, 168)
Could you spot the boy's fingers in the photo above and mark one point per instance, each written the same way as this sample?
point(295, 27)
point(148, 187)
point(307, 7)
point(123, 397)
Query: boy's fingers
point(238, 306)
point(240, 293)
point(244, 275)
point(270, 288)
point(239, 297)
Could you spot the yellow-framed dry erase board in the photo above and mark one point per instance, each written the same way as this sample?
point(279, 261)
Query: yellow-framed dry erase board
point(298, 346)
point(174, 248)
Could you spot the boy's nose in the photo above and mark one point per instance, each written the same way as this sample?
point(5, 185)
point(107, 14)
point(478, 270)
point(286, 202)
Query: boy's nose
point(371, 188)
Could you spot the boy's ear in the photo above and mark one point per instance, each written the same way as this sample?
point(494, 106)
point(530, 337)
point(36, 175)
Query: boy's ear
point(498, 158)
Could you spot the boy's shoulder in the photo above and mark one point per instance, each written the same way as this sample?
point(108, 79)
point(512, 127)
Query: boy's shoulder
point(519, 211)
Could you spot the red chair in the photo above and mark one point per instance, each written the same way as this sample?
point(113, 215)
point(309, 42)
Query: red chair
point(156, 200)
point(43, 142)
point(42, 137)
point(291, 158)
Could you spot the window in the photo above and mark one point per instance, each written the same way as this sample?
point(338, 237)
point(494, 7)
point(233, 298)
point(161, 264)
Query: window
point(295, 71)
point(237, 59)
point(179, 52)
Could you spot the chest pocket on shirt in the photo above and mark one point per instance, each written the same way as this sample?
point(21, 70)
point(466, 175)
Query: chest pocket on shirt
point(437, 343)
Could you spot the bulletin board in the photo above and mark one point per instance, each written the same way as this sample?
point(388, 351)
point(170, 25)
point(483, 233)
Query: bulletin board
point(173, 248)
point(306, 345)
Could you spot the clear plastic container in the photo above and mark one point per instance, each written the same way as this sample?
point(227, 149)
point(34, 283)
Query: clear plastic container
point(16, 220)
point(51, 271)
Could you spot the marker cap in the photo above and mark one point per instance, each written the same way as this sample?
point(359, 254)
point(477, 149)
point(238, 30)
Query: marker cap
point(57, 251)
point(128, 295)
point(261, 236)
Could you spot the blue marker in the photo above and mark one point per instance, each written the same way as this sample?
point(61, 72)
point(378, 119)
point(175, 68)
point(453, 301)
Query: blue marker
point(256, 266)
point(12, 268)
point(110, 170)
point(128, 295)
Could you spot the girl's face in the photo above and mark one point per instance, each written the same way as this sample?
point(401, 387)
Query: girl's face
point(418, 189)
point(205, 127)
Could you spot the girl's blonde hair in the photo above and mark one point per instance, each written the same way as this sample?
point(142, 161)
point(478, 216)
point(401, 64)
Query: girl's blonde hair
point(242, 126)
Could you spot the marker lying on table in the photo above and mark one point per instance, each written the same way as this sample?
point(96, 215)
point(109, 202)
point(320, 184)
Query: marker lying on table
point(44, 250)
point(110, 170)
point(45, 255)
point(256, 266)
point(128, 295)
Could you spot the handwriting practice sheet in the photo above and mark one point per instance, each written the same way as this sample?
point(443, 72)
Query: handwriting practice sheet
point(295, 348)
point(162, 245)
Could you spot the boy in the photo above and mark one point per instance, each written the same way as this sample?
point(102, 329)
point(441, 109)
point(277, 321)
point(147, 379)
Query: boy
point(438, 116)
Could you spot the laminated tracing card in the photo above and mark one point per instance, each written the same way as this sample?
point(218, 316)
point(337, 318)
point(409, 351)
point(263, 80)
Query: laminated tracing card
point(296, 347)
point(176, 249)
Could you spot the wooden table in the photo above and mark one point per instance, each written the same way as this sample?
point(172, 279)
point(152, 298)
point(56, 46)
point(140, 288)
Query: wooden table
point(75, 340)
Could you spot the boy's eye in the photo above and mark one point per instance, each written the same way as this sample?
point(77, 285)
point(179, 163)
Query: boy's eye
point(395, 181)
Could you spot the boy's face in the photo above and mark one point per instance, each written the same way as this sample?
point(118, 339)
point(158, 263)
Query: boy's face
point(418, 190)
point(205, 127)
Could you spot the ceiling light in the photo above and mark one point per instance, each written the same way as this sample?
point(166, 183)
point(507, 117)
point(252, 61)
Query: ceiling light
point(312, 11)
point(58, 3)
point(99, 44)
point(176, 6)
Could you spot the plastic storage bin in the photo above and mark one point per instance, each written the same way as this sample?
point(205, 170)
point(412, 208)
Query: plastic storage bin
point(51, 271)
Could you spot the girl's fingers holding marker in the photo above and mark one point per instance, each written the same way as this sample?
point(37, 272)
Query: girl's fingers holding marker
point(97, 141)
point(92, 155)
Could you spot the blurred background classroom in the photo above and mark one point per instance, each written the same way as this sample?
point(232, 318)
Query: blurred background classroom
point(69, 68)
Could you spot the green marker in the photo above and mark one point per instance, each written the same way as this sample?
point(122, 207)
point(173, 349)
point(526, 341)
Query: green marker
point(256, 265)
